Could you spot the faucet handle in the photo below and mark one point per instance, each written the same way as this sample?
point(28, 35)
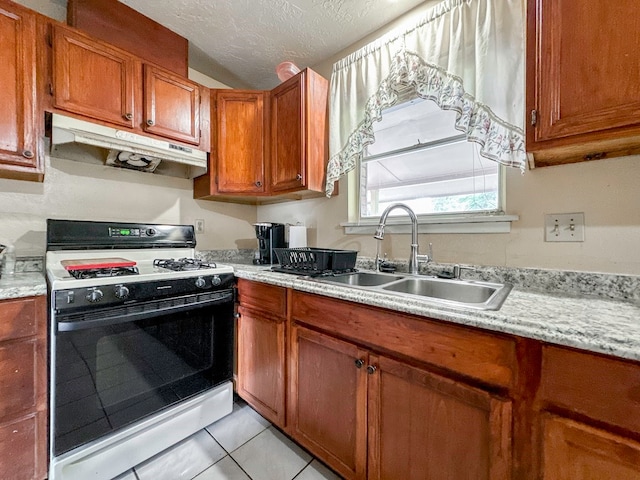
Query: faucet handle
point(427, 257)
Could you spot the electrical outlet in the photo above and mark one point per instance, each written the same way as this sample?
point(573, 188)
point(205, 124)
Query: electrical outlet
point(564, 227)
point(199, 225)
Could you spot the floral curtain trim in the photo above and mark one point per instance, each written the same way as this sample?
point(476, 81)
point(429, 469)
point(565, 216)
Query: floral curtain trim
point(499, 140)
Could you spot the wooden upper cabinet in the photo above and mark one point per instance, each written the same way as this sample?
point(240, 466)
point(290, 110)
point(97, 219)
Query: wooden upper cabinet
point(171, 105)
point(239, 141)
point(298, 133)
point(18, 132)
point(575, 451)
point(92, 78)
point(584, 87)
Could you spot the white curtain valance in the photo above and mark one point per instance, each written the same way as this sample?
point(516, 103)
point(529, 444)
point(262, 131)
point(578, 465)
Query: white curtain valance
point(465, 55)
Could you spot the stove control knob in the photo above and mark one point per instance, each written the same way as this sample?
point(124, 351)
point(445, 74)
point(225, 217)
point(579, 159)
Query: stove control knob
point(215, 281)
point(200, 282)
point(121, 292)
point(150, 232)
point(94, 295)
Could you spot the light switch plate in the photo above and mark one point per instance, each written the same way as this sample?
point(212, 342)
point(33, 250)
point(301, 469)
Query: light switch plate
point(564, 227)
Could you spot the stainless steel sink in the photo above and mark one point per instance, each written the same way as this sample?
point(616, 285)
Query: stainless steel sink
point(455, 293)
point(362, 279)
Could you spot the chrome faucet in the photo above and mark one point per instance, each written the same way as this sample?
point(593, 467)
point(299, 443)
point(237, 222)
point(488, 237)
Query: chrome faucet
point(414, 257)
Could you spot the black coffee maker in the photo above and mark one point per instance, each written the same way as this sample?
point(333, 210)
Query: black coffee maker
point(270, 236)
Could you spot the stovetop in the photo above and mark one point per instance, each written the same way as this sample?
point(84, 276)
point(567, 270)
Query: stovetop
point(146, 264)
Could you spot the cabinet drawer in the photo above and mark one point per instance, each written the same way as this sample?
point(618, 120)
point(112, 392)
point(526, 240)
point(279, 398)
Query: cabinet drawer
point(263, 297)
point(18, 318)
point(601, 388)
point(483, 356)
point(17, 377)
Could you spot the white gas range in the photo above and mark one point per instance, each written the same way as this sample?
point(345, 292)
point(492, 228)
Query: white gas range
point(141, 344)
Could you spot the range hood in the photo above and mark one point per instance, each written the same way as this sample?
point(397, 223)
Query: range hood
point(74, 139)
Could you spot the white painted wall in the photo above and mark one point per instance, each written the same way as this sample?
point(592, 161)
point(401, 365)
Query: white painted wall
point(80, 191)
point(607, 191)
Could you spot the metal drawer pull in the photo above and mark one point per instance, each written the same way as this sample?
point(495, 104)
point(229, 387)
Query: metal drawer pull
point(371, 369)
point(258, 183)
point(128, 116)
point(299, 177)
point(150, 122)
point(27, 154)
point(359, 363)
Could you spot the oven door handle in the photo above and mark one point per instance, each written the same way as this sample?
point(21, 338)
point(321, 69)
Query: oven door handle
point(134, 316)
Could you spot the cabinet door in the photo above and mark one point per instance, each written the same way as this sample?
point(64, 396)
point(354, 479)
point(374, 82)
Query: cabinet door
point(328, 400)
point(574, 451)
point(172, 105)
point(92, 78)
point(423, 426)
point(23, 388)
point(288, 124)
point(585, 82)
point(238, 141)
point(261, 363)
point(17, 88)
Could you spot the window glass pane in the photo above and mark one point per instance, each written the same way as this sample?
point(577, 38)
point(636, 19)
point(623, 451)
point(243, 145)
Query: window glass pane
point(420, 159)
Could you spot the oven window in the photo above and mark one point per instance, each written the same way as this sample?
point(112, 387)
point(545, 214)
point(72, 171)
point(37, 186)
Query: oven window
point(108, 377)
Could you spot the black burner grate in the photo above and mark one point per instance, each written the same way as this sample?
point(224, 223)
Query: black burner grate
point(182, 264)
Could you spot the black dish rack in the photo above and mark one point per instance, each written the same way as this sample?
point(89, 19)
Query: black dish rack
point(315, 261)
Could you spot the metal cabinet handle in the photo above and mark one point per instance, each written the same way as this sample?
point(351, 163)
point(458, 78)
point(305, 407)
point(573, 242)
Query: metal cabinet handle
point(258, 183)
point(150, 122)
point(299, 177)
point(27, 154)
point(371, 369)
point(128, 116)
point(359, 363)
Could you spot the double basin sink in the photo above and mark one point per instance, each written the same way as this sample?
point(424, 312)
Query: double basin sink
point(448, 292)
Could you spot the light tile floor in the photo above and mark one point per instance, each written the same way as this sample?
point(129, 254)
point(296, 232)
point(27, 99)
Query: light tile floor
point(240, 446)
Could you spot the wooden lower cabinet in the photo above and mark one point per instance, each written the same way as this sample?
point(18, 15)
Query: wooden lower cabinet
point(575, 451)
point(381, 395)
point(369, 416)
point(23, 389)
point(261, 349)
point(327, 405)
point(261, 363)
point(424, 426)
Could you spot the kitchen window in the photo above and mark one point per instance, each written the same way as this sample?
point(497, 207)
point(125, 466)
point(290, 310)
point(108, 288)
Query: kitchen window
point(420, 159)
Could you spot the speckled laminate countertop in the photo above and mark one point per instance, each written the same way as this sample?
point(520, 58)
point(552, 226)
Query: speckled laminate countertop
point(595, 324)
point(22, 285)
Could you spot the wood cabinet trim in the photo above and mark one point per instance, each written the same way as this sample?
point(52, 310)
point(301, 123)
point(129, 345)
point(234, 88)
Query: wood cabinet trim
point(263, 297)
point(569, 378)
point(450, 347)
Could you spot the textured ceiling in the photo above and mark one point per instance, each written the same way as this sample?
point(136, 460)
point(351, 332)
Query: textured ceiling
point(249, 38)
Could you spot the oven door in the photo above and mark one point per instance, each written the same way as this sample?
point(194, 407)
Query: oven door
point(113, 368)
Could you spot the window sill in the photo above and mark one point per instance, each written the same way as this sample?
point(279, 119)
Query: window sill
point(470, 224)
